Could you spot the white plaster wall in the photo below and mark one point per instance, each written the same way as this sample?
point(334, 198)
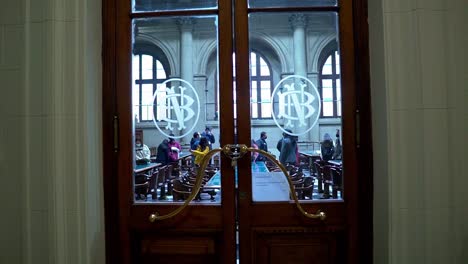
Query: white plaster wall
point(419, 88)
point(12, 132)
point(50, 161)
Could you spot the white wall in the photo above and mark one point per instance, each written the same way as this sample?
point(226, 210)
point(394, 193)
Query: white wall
point(50, 79)
point(12, 132)
point(419, 93)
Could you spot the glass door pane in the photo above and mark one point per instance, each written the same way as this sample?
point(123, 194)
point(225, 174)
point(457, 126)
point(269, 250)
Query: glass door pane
point(175, 90)
point(296, 105)
point(171, 5)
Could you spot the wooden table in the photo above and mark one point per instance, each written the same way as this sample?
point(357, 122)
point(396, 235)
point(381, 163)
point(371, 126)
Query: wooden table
point(311, 153)
point(335, 162)
point(146, 168)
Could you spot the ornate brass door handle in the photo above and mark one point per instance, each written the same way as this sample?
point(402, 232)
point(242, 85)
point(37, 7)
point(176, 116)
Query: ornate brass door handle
point(235, 152)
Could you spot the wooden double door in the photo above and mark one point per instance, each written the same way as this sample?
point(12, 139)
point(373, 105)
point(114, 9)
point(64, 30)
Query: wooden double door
point(284, 73)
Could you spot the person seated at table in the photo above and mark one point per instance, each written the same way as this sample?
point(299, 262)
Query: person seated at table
point(289, 149)
point(201, 151)
point(327, 149)
point(262, 145)
point(142, 152)
point(174, 149)
point(163, 152)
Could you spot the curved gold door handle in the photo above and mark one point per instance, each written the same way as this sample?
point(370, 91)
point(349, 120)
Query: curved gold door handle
point(156, 216)
point(235, 152)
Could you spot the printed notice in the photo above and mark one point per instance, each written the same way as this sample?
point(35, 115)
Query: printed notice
point(269, 187)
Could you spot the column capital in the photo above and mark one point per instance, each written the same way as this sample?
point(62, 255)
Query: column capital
point(185, 24)
point(298, 20)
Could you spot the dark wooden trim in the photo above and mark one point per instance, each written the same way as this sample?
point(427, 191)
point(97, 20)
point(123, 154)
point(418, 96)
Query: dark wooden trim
point(124, 159)
point(365, 157)
point(226, 117)
point(241, 28)
point(111, 209)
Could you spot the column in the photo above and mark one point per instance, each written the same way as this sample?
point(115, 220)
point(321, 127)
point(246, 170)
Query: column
point(298, 23)
point(186, 62)
point(314, 133)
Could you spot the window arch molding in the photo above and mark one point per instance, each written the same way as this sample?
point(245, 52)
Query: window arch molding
point(314, 60)
point(326, 51)
point(272, 51)
point(160, 47)
point(156, 52)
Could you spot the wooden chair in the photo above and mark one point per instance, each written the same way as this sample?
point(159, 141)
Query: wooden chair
point(180, 191)
point(153, 184)
point(161, 183)
point(306, 188)
point(304, 162)
point(319, 170)
point(169, 178)
point(327, 181)
point(337, 178)
point(141, 186)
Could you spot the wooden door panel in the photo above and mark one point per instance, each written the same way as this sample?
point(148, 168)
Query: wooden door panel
point(192, 217)
point(296, 246)
point(179, 247)
point(262, 215)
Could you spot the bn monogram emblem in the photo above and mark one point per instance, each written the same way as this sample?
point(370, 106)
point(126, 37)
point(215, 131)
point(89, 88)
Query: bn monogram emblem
point(179, 104)
point(298, 105)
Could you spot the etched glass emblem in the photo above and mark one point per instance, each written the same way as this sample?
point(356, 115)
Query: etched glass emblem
point(182, 105)
point(298, 105)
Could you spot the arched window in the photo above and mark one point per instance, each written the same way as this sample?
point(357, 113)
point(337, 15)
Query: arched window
point(329, 82)
point(261, 84)
point(148, 75)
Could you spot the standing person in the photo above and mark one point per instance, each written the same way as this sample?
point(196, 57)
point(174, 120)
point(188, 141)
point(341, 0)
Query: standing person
point(201, 151)
point(288, 150)
point(337, 154)
point(142, 152)
point(298, 156)
point(163, 152)
point(327, 148)
point(195, 141)
point(280, 142)
point(262, 145)
point(209, 136)
point(174, 149)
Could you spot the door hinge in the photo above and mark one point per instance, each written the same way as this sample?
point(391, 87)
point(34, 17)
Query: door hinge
point(358, 129)
point(116, 133)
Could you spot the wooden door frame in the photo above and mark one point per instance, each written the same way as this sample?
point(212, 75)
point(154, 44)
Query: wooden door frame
point(116, 240)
